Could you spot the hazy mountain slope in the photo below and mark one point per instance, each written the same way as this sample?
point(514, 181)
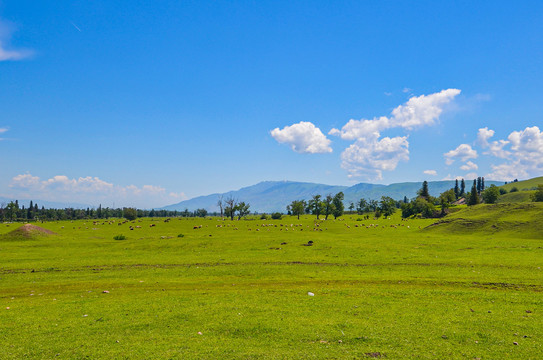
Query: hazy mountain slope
point(269, 196)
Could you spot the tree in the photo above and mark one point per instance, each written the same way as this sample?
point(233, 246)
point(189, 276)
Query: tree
point(243, 210)
point(339, 208)
point(129, 213)
point(456, 190)
point(316, 205)
point(538, 195)
point(230, 205)
point(351, 207)
point(473, 198)
point(328, 206)
point(478, 185)
point(491, 194)
point(200, 213)
point(297, 207)
point(445, 200)
point(387, 206)
point(220, 205)
point(361, 206)
point(11, 210)
point(462, 188)
point(423, 192)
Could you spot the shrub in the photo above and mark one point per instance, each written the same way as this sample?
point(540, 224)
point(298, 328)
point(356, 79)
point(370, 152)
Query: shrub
point(119, 237)
point(538, 195)
point(276, 216)
point(263, 217)
point(180, 235)
point(514, 189)
point(503, 191)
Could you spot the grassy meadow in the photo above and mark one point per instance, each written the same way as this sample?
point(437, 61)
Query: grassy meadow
point(251, 289)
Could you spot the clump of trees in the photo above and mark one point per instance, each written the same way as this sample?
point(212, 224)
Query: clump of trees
point(538, 195)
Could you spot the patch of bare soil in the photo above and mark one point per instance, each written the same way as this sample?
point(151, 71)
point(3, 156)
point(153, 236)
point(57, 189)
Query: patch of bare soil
point(29, 230)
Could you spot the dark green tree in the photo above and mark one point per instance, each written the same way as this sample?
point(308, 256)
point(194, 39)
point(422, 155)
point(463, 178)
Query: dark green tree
point(538, 195)
point(456, 190)
point(473, 196)
point(328, 206)
point(491, 194)
point(462, 188)
point(297, 207)
point(242, 209)
point(130, 213)
point(339, 208)
point(423, 192)
point(316, 205)
point(387, 206)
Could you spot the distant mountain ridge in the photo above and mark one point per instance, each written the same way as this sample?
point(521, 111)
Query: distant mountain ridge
point(270, 196)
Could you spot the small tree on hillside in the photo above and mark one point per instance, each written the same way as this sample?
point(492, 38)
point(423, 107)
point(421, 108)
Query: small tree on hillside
point(387, 206)
point(538, 195)
point(423, 192)
point(456, 190)
point(473, 198)
point(339, 208)
point(491, 194)
point(462, 188)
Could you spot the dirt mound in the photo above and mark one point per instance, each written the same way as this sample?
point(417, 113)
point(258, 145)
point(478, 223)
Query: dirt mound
point(29, 230)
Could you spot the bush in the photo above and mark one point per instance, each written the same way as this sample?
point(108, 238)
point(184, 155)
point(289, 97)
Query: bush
point(276, 216)
point(514, 189)
point(119, 237)
point(263, 217)
point(180, 235)
point(503, 191)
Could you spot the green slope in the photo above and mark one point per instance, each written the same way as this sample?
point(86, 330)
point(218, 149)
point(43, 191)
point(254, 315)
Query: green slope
point(521, 220)
point(516, 197)
point(530, 184)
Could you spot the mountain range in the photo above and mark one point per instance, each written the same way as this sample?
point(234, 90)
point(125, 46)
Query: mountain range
point(271, 196)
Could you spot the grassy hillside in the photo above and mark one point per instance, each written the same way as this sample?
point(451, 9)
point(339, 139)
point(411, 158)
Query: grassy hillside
point(516, 197)
point(524, 185)
point(514, 219)
point(253, 289)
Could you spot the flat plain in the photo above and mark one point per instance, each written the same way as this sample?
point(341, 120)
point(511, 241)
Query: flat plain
point(194, 288)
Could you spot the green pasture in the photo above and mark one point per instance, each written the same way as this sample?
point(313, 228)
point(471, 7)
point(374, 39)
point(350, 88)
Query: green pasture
point(382, 288)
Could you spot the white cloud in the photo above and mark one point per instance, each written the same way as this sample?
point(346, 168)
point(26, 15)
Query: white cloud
point(406, 90)
point(430, 172)
point(525, 155)
point(449, 177)
point(422, 110)
point(363, 158)
point(91, 190)
point(471, 175)
point(463, 152)
point(3, 130)
point(416, 112)
point(370, 157)
point(483, 135)
point(10, 54)
point(469, 166)
point(303, 137)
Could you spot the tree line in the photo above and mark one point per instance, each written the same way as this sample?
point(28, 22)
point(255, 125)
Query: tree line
point(12, 211)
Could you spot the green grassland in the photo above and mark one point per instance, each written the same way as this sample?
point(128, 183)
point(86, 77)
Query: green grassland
point(382, 288)
point(524, 185)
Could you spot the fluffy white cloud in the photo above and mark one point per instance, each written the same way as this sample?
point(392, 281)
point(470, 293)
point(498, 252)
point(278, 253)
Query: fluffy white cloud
point(10, 54)
point(422, 110)
point(91, 190)
point(3, 130)
point(430, 172)
point(525, 155)
point(469, 166)
point(370, 157)
point(483, 135)
point(416, 112)
point(363, 158)
point(303, 137)
point(449, 177)
point(463, 152)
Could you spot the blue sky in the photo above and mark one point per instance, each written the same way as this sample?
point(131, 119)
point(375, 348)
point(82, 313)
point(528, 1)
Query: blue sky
point(146, 103)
